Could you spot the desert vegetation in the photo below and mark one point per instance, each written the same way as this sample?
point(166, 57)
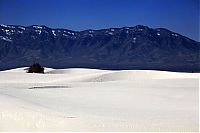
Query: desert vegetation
point(35, 68)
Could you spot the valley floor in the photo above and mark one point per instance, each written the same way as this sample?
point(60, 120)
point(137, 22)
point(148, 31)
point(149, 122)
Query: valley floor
point(98, 100)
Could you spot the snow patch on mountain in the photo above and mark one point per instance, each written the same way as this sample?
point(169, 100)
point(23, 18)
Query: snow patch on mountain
point(20, 32)
point(38, 31)
point(65, 35)
point(53, 31)
point(173, 34)
point(37, 27)
point(91, 35)
point(71, 33)
point(4, 25)
point(22, 28)
point(134, 40)
point(91, 31)
point(5, 39)
point(112, 30)
point(110, 33)
point(8, 32)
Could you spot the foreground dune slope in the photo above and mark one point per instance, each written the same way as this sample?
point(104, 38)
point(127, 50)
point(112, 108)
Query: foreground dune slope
point(98, 100)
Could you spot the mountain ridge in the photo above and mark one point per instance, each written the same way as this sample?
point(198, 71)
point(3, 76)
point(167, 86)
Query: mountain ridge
point(138, 47)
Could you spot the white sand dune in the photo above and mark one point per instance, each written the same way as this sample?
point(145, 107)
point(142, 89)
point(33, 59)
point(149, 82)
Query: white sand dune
point(87, 75)
point(98, 100)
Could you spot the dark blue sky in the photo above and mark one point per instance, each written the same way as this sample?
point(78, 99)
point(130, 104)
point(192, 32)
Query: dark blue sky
point(181, 16)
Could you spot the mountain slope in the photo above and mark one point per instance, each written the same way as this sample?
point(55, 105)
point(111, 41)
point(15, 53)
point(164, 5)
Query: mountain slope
point(138, 47)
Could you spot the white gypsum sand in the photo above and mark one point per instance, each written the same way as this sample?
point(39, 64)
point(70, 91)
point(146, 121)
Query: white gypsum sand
point(98, 100)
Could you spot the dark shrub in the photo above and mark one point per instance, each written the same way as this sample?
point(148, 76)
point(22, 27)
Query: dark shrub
point(36, 68)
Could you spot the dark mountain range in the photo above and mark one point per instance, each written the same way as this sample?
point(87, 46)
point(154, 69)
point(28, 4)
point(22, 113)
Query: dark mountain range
point(138, 47)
